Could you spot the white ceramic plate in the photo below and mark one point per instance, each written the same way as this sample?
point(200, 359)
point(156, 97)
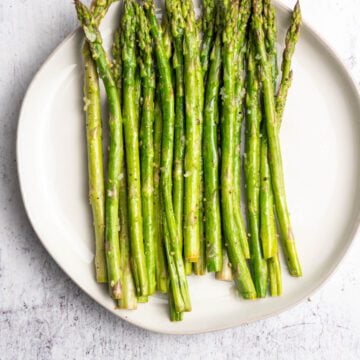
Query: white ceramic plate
point(321, 148)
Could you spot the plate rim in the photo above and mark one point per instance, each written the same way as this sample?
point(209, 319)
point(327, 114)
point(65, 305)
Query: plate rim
point(346, 72)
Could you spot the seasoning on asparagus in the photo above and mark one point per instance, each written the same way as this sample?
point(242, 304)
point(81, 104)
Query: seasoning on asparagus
point(115, 150)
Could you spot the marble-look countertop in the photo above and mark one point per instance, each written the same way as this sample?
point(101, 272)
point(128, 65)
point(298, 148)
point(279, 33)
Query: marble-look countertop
point(44, 315)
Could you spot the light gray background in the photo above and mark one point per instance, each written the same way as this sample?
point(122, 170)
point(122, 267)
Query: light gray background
point(43, 315)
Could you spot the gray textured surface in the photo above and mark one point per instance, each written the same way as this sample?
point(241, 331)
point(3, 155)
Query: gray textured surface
point(43, 315)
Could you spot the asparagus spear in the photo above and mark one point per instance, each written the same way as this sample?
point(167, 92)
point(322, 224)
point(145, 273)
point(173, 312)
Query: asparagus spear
point(176, 27)
point(211, 162)
point(252, 174)
point(94, 145)
point(162, 280)
point(137, 93)
point(270, 34)
point(243, 18)
point(178, 182)
point(132, 147)
point(274, 269)
point(290, 42)
point(239, 266)
point(200, 264)
point(177, 274)
point(115, 153)
point(147, 143)
point(292, 37)
point(174, 315)
point(208, 29)
point(225, 273)
point(193, 126)
point(267, 216)
point(128, 300)
point(95, 159)
point(99, 9)
point(161, 269)
point(275, 160)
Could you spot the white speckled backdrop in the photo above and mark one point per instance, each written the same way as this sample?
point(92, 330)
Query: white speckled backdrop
point(43, 315)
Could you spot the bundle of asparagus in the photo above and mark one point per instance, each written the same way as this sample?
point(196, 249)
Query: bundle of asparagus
point(178, 94)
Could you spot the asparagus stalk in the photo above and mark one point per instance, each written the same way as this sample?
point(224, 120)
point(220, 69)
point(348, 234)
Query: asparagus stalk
point(208, 29)
point(161, 269)
point(268, 232)
point(192, 162)
point(292, 37)
point(225, 273)
point(99, 9)
point(132, 148)
point(275, 274)
point(200, 264)
point(128, 300)
point(275, 159)
point(290, 42)
point(213, 234)
point(270, 34)
point(267, 216)
point(168, 28)
point(239, 266)
point(147, 144)
point(176, 26)
point(252, 174)
point(175, 262)
point(243, 18)
point(95, 159)
point(115, 150)
point(174, 315)
point(137, 93)
point(94, 146)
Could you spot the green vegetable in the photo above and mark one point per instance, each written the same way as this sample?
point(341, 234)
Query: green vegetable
point(275, 159)
point(252, 173)
point(161, 267)
point(213, 234)
point(193, 162)
point(115, 150)
point(178, 279)
point(128, 300)
point(243, 18)
point(147, 145)
point(232, 234)
point(95, 159)
point(132, 148)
